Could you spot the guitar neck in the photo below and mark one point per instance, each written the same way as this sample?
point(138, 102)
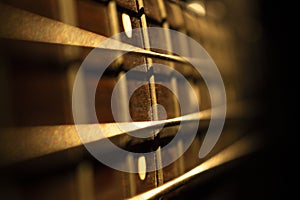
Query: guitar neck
point(43, 74)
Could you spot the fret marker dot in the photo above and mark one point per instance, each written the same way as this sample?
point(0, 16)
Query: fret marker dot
point(127, 25)
point(197, 7)
point(142, 167)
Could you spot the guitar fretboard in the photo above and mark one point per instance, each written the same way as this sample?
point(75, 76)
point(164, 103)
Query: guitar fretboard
point(43, 74)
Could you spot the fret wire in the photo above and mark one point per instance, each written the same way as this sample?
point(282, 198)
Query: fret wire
point(129, 189)
point(171, 64)
point(153, 97)
point(148, 61)
point(173, 80)
point(68, 14)
point(123, 92)
point(162, 9)
point(132, 182)
point(85, 176)
point(184, 47)
point(184, 5)
point(174, 16)
point(114, 27)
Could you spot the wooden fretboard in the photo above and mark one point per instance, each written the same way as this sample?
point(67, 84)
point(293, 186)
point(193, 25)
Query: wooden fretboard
point(39, 144)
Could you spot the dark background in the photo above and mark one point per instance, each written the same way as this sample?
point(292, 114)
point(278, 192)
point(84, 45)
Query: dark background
point(271, 172)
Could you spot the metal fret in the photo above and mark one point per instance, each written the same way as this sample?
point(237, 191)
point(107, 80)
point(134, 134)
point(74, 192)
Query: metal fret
point(179, 165)
point(174, 15)
point(114, 26)
point(129, 189)
point(159, 172)
point(149, 61)
point(86, 178)
point(68, 14)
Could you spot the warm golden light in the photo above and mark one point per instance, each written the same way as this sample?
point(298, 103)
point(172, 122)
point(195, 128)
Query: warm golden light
point(197, 7)
point(22, 25)
point(236, 150)
point(127, 25)
point(142, 167)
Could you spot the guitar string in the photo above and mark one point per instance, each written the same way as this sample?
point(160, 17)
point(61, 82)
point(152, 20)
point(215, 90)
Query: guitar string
point(19, 24)
point(241, 148)
point(64, 137)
